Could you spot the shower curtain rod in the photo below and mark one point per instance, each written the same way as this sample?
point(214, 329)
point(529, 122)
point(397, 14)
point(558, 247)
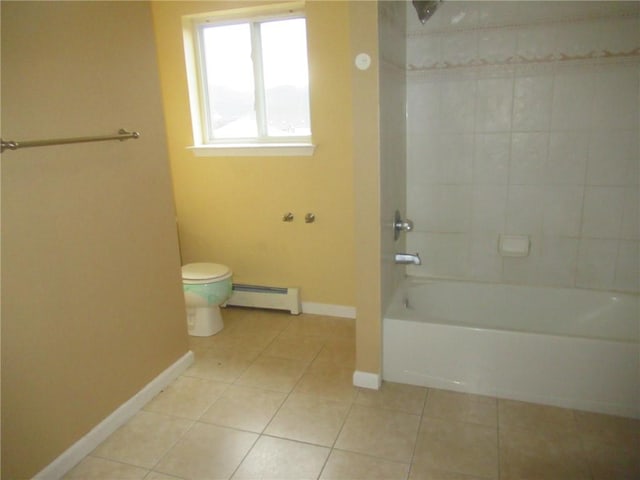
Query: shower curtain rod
point(13, 145)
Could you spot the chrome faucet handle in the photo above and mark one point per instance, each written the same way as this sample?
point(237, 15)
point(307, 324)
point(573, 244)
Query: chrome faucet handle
point(405, 226)
point(400, 225)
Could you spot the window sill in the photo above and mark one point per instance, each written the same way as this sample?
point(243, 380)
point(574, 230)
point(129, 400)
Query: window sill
point(257, 150)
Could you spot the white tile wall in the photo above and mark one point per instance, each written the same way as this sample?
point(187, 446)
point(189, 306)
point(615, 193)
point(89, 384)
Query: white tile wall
point(613, 103)
point(453, 163)
point(567, 162)
point(494, 99)
point(630, 229)
point(484, 262)
point(459, 49)
point(491, 158)
point(618, 34)
point(393, 107)
point(532, 103)
point(488, 208)
point(603, 208)
point(597, 262)
point(448, 254)
point(535, 43)
point(496, 46)
point(524, 209)
point(572, 101)
point(562, 210)
point(626, 272)
point(523, 118)
point(529, 152)
point(611, 156)
point(457, 106)
point(558, 260)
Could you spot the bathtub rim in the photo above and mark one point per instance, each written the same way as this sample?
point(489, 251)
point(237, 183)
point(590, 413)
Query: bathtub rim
point(396, 308)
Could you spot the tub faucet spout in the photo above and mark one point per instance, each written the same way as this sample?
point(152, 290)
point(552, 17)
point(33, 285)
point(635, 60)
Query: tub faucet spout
point(408, 258)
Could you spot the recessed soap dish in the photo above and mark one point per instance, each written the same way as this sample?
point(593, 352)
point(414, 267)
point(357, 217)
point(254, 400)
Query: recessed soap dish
point(514, 245)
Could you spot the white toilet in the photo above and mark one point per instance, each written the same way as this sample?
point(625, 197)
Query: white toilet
point(206, 286)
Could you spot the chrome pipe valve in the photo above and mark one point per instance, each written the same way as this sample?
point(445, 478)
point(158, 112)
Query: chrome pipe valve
point(400, 225)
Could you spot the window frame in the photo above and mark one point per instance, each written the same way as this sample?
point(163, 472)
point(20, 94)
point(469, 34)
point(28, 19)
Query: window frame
point(262, 145)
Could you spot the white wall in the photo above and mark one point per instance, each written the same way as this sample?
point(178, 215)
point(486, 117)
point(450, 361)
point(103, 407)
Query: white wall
point(523, 119)
point(392, 40)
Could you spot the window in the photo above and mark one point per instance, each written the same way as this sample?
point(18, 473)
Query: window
point(249, 82)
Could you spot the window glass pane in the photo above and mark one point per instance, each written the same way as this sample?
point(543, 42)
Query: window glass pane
point(286, 77)
point(229, 78)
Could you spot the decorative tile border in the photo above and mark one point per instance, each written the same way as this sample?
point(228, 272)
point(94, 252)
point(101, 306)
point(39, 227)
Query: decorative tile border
point(518, 60)
point(479, 71)
point(592, 39)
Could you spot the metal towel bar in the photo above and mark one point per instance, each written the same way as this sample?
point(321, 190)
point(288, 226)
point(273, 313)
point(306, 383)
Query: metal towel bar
point(13, 145)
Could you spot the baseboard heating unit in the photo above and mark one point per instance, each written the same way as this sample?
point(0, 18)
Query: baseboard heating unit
point(256, 296)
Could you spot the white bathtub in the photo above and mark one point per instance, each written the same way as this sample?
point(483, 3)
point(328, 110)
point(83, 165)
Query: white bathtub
point(567, 347)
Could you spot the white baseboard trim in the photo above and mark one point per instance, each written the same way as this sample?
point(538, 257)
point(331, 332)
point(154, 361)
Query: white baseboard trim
point(74, 454)
point(372, 381)
point(343, 311)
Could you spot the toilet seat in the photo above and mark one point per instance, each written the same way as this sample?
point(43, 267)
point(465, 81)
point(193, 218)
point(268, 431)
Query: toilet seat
point(198, 273)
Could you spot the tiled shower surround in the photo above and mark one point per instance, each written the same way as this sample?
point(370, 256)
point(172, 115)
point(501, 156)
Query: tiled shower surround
point(523, 118)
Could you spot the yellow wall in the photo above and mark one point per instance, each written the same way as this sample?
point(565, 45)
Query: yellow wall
point(92, 304)
point(230, 209)
point(366, 159)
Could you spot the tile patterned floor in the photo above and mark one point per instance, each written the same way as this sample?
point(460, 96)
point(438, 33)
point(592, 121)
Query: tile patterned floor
point(270, 397)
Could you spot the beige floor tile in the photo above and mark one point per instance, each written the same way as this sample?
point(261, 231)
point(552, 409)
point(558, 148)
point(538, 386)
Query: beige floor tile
point(199, 343)
point(233, 314)
point(612, 445)
point(187, 397)
point(258, 322)
point(328, 381)
point(251, 319)
point(619, 432)
point(459, 447)
point(199, 350)
point(394, 396)
point(306, 324)
point(244, 339)
point(100, 469)
point(344, 328)
point(159, 476)
point(376, 434)
point(279, 459)
point(144, 439)
point(273, 373)
point(303, 348)
point(221, 364)
point(382, 433)
point(527, 454)
point(420, 472)
point(541, 418)
point(309, 419)
point(337, 352)
point(355, 466)
point(207, 452)
point(245, 408)
point(609, 463)
point(461, 407)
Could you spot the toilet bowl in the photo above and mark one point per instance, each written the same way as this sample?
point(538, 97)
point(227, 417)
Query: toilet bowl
point(206, 286)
